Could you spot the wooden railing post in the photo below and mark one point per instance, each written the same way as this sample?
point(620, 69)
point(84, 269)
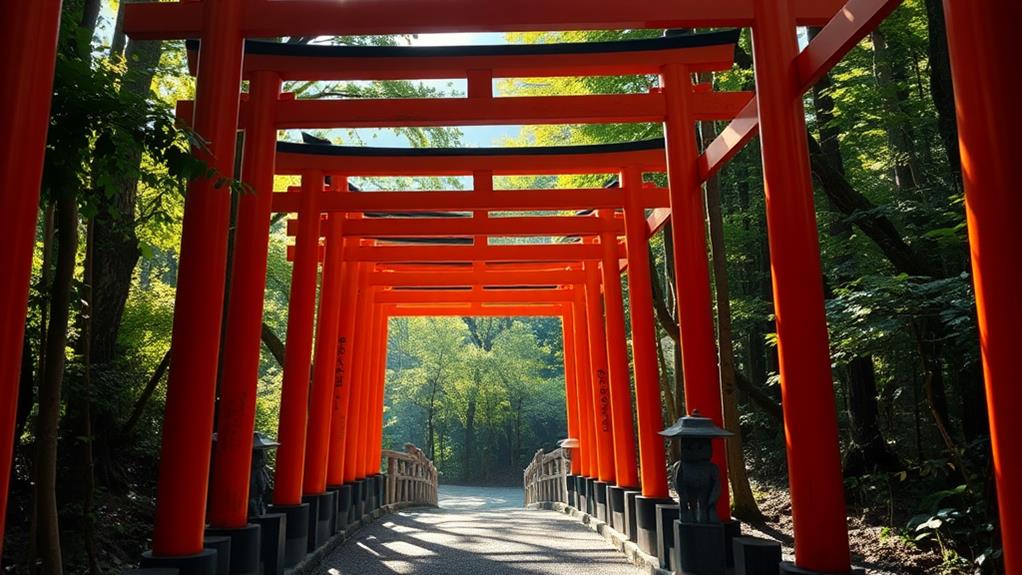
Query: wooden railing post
point(545, 478)
point(412, 478)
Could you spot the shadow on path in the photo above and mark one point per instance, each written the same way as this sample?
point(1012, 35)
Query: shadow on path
point(477, 530)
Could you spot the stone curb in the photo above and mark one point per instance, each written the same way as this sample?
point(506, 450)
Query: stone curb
point(635, 555)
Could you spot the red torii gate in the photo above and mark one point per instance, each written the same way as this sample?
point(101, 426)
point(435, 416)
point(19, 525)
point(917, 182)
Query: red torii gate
point(986, 121)
point(484, 164)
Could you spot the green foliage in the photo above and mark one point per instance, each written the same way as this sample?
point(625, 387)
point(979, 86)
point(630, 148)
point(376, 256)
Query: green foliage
point(489, 409)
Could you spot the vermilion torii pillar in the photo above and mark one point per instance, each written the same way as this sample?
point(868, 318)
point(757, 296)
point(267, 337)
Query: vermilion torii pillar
point(342, 366)
point(626, 467)
point(365, 377)
point(807, 386)
point(232, 457)
point(381, 379)
point(198, 307)
point(571, 388)
point(602, 418)
point(989, 126)
point(294, 400)
point(584, 388)
point(28, 46)
point(695, 307)
point(341, 401)
point(652, 460)
point(318, 434)
point(363, 319)
point(325, 362)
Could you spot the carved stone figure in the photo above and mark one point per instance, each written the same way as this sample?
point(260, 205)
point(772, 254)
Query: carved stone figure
point(261, 483)
point(695, 477)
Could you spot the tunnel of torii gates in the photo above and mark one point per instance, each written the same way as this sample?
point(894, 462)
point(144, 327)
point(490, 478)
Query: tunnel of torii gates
point(330, 432)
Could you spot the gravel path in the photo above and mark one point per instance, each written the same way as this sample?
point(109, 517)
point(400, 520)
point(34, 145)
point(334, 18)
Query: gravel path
point(477, 530)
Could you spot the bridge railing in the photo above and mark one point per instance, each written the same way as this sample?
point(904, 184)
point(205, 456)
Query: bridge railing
point(412, 478)
point(546, 477)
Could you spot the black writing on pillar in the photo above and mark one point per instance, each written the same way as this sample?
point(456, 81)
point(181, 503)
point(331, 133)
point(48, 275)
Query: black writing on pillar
point(604, 385)
point(339, 369)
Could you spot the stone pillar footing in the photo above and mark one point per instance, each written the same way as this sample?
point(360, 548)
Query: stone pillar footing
point(357, 501)
point(325, 516)
point(572, 491)
point(699, 548)
point(312, 541)
point(382, 497)
point(591, 496)
point(274, 542)
point(788, 568)
point(732, 530)
point(203, 563)
point(631, 525)
point(645, 522)
point(222, 545)
point(246, 543)
point(666, 515)
point(600, 498)
point(755, 556)
point(616, 507)
point(296, 544)
point(343, 507)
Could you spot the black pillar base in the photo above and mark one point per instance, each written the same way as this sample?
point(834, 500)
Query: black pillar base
point(666, 515)
point(363, 500)
point(788, 568)
point(343, 506)
point(572, 491)
point(374, 493)
point(274, 542)
point(700, 548)
point(336, 493)
point(357, 501)
point(296, 543)
point(600, 497)
point(631, 525)
point(368, 495)
point(732, 530)
point(591, 496)
point(645, 522)
point(222, 546)
point(245, 545)
point(755, 556)
point(616, 507)
point(203, 563)
point(381, 491)
point(325, 517)
point(581, 486)
point(312, 542)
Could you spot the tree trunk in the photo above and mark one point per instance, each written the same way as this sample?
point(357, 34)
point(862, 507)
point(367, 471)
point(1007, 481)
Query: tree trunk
point(26, 391)
point(88, 471)
point(890, 78)
point(470, 435)
point(47, 535)
point(147, 392)
point(941, 87)
point(273, 344)
point(869, 451)
point(743, 501)
point(116, 251)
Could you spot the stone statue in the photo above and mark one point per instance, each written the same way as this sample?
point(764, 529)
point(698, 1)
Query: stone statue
point(261, 483)
point(695, 477)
